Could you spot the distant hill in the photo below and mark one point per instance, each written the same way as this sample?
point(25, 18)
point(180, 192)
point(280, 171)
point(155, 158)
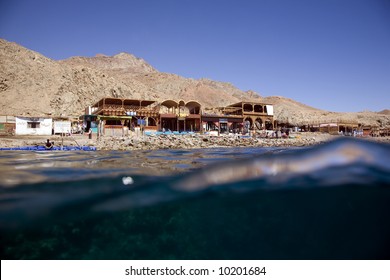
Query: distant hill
point(384, 112)
point(32, 84)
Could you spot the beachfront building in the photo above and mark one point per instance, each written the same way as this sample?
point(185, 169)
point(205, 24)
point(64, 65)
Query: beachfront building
point(346, 128)
point(62, 125)
point(33, 125)
point(222, 120)
point(258, 116)
point(115, 116)
point(335, 127)
point(180, 115)
point(239, 117)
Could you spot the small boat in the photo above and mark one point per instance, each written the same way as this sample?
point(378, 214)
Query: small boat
point(53, 148)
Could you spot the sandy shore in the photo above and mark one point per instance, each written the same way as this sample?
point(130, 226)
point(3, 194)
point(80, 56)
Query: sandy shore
point(174, 141)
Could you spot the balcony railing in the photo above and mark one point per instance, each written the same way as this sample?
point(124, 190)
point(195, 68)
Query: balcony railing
point(119, 110)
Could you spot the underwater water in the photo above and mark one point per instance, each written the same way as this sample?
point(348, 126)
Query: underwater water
point(330, 201)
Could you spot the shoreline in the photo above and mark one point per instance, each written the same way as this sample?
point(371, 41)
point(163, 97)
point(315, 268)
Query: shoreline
point(190, 141)
point(204, 141)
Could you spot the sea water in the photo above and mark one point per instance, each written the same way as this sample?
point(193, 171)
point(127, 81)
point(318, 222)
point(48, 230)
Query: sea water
point(330, 201)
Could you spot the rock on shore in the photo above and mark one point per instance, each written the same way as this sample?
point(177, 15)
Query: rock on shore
point(196, 141)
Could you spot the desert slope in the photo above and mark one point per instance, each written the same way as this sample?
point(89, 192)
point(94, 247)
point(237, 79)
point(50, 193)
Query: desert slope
point(290, 111)
point(32, 84)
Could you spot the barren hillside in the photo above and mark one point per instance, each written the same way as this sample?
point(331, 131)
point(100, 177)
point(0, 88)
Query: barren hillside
point(32, 84)
point(293, 112)
point(160, 86)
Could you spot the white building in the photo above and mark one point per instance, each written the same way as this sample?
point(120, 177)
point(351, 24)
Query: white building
point(33, 126)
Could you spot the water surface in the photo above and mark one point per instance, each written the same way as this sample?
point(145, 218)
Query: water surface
point(324, 202)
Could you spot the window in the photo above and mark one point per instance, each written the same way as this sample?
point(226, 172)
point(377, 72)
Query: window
point(258, 109)
point(33, 125)
point(248, 108)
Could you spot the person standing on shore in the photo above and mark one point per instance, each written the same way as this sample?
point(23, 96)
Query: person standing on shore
point(278, 133)
point(90, 133)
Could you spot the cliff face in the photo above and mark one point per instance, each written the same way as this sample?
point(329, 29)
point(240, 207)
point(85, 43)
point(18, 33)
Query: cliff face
point(32, 84)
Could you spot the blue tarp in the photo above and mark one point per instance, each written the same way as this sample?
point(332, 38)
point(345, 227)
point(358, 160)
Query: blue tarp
point(149, 133)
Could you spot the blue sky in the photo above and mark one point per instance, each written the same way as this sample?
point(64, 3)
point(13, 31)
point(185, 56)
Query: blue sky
point(329, 54)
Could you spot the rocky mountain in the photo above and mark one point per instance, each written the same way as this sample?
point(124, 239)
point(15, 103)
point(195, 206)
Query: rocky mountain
point(384, 112)
point(122, 64)
point(34, 85)
point(31, 84)
point(159, 86)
